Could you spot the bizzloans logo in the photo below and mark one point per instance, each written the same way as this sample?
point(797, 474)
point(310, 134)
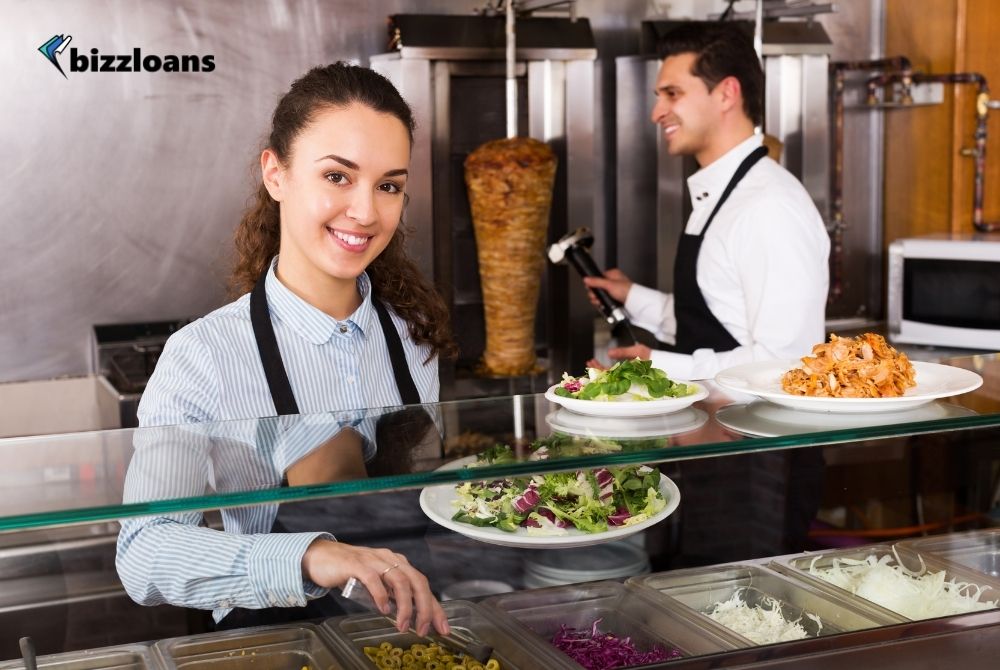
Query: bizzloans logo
point(134, 62)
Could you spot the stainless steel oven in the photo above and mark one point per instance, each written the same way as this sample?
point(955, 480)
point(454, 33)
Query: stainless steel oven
point(451, 70)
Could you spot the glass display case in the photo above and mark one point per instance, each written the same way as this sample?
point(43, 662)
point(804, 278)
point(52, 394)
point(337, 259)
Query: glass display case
point(91, 521)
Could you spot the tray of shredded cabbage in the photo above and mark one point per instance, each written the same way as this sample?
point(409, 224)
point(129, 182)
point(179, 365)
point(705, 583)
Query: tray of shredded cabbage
point(758, 605)
point(921, 589)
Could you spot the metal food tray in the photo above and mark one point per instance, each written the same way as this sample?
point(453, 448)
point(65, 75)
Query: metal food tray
point(288, 647)
point(623, 611)
point(797, 566)
point(467, 620)
point(977, 550)
point(697, 591)
point(124, 657)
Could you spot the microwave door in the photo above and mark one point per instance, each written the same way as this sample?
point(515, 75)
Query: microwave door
point(950, 302)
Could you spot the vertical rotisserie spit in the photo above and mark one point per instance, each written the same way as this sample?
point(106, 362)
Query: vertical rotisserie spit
point(510, 192)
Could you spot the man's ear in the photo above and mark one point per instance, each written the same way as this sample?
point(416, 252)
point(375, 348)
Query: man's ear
point(273, 174)
point(731, 93)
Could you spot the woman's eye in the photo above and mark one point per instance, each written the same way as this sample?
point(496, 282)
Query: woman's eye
point(336, 177)
point(390, 187)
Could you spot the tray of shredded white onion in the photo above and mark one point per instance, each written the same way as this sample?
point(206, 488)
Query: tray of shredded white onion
point(923, 594)
point(761, 624)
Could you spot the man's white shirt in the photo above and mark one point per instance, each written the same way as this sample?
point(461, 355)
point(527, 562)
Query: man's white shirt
point(763, 268)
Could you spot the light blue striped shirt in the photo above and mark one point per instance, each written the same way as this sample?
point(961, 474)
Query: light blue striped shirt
point(209, 372)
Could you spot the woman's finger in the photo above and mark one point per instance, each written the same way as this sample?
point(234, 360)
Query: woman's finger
point(399, 581)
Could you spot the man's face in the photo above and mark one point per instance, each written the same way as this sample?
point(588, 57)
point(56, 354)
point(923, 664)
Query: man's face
point(685, 110)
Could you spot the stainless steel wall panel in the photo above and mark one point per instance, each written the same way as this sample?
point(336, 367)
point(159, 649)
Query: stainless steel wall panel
point(124, 188)
point(815, 116)
point(636, 183)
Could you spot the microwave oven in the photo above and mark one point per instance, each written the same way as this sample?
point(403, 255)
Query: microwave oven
point(945, 290)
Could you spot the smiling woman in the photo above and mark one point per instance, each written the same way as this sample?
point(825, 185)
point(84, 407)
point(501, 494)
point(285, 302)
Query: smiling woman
point(333, 317)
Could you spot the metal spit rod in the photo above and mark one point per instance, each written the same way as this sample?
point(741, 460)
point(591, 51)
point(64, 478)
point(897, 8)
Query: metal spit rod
point(511, 75)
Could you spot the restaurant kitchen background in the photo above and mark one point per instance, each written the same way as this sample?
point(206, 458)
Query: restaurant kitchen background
point(122, 189)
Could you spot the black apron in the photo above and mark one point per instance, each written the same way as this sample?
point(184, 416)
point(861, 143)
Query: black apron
point(697, 327)
point(296, 517)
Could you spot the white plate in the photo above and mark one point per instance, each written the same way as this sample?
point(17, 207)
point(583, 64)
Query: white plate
point(627, 408)
point(764, 419)
point(436, 502)
point(763, 380)
point(571, 423)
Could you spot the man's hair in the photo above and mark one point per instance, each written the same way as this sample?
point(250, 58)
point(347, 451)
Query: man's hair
point(721, 50)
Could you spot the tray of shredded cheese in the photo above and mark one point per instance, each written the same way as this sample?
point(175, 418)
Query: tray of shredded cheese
point(912, 586)
point(755, 606)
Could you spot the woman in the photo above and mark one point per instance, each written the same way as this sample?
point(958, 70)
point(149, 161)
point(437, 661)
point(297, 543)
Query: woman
point(335, 317)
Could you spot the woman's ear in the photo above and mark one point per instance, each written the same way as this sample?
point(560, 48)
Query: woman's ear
point(273, 173)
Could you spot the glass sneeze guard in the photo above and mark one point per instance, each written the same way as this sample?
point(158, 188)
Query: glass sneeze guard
point(57, 480)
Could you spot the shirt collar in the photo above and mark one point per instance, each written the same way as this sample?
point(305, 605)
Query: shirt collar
point(707, 184)
point(313, 324)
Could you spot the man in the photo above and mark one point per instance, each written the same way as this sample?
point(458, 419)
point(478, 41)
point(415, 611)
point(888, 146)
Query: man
point(751, 274)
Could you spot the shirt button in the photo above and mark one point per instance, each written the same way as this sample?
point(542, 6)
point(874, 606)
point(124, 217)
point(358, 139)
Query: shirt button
point(704, 195)
point(224, 604)
point(343, 329)
point(291, 600)
point(350, 379)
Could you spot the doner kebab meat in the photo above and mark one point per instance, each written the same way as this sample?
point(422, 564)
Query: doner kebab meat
point(510, 191)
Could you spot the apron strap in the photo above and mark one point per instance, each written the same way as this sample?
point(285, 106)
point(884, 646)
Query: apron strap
point(741, 172)
point(274, 368)
point(267, 347)
point(400, 369)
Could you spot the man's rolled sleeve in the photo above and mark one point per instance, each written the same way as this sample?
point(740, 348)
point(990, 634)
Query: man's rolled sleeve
point(652, 310)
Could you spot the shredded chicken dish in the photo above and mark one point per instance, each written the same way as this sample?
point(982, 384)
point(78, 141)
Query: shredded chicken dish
point(863, 367)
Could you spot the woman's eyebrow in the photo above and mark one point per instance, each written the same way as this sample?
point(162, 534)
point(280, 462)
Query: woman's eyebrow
point(343, 161)
point(354, 166)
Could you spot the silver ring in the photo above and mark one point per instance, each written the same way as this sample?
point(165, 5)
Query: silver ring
point(386, 571)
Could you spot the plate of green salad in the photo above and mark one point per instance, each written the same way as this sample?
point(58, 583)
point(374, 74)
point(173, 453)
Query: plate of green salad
point(555, 510)
point(626, 389)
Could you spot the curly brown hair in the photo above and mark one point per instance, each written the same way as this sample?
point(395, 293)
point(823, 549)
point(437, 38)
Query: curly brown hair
point(396, 281)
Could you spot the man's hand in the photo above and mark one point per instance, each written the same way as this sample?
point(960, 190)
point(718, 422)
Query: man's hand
point(628, 353)
point(615, 283)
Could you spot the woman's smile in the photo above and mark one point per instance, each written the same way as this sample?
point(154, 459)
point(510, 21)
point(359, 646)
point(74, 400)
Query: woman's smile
point(353, 242)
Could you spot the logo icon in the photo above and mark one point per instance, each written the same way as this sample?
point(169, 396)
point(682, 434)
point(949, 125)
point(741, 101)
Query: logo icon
point(53, 48)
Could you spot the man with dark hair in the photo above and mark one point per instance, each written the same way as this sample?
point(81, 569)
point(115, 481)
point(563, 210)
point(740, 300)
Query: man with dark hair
point(751, 274)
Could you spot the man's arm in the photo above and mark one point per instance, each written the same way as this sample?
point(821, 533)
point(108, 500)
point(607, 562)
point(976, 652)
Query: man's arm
point(647, 308)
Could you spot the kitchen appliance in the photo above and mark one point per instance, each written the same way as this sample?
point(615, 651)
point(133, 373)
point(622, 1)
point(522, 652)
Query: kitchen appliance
point(452, 71)
point(574, 248)
point(943, 290)
point(126, 354)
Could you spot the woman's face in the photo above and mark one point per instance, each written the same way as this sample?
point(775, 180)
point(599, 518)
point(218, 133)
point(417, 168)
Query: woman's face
point(341, 193)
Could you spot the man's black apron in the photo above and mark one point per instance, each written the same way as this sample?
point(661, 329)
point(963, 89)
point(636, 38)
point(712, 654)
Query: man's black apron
point(296, 517)
point(697, 327)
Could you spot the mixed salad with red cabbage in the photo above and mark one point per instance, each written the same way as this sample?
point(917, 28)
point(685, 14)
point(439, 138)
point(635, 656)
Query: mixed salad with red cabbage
point(550, 504)
point(635, 380)
point(595, 650)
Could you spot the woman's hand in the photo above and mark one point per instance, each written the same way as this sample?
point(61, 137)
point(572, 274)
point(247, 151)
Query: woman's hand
point(330, 564)
point(615, 282)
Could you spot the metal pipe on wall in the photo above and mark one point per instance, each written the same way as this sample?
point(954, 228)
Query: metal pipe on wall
point(978, 153)
point(838, 75)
